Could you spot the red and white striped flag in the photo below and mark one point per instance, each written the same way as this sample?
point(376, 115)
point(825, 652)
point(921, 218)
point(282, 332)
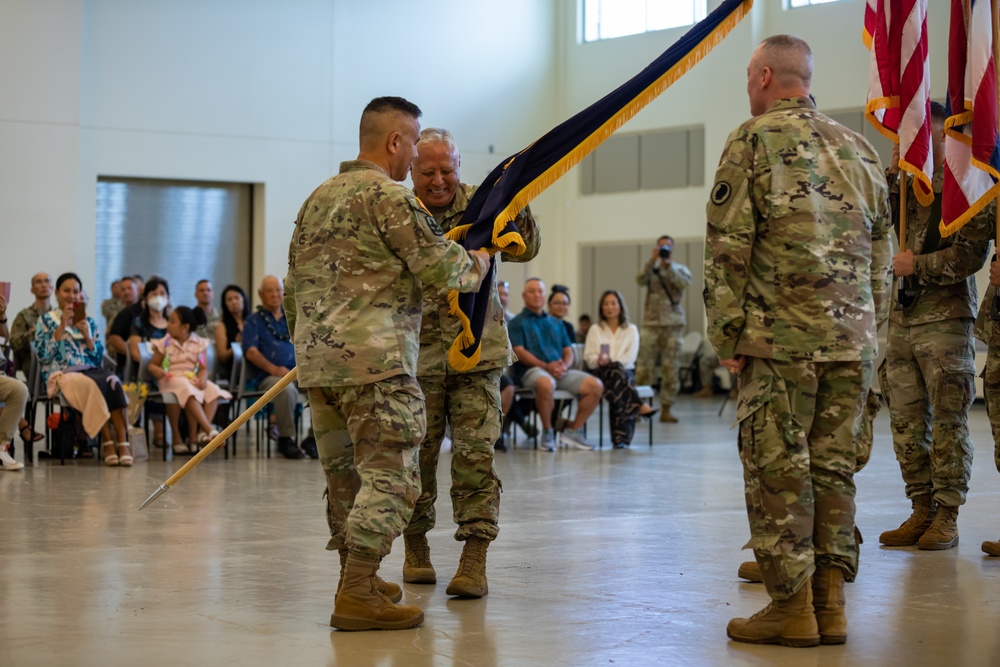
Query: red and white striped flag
point(899, 82)
point(972, 156)
point(871, 12)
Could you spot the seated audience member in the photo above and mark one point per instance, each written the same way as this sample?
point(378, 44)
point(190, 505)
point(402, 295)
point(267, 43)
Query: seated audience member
point(121, 327)
point(179, 366)
point(559, 309)
point(205, 314)
point(503, 291)
point(582, 328)
point(708, 361)
point(268, 348)
point(229, 330)
point(14, 396)
point(151, 324)
point(544, 352)
point(610, 353)
point(22, 331)
point(111, 307)
point(70, 352)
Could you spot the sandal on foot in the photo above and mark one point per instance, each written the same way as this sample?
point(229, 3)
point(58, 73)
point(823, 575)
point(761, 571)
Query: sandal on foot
point(112, 458)
point(124, 454)
point(33, 435)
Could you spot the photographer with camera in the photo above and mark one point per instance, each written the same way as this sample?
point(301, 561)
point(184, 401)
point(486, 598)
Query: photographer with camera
point(663, 323)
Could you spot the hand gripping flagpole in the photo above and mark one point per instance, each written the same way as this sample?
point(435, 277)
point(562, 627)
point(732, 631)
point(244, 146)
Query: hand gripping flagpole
point(226, 433)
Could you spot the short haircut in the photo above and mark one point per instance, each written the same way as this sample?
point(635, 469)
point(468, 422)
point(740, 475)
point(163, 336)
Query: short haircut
point(203, 280)
point(665, 236)
point(373, 118)
point(437, 135)
point(789, 58)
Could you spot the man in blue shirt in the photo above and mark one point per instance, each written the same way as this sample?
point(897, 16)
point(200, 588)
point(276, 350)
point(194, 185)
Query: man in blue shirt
point(544, 359)
point(269, 349)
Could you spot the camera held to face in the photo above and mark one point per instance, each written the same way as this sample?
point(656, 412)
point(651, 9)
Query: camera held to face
point(664, 252)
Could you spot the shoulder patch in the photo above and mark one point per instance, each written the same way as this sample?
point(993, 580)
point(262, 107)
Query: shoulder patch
point(432, 224)
point(721, 193)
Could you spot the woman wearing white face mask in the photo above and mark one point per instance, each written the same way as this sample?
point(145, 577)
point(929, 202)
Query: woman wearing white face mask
point(151, 324)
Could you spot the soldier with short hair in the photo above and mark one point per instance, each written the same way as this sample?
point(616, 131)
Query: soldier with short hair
point(663, 324)
point(930, 357)
point(363, 245)
point(468, 401)
point(796, 278)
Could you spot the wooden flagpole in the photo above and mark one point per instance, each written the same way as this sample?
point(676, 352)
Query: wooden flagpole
point(226, 433)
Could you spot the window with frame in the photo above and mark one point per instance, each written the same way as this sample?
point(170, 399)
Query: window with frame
point(607, 19)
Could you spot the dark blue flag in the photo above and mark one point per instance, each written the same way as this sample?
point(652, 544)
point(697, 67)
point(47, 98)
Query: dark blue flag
point(523, 176)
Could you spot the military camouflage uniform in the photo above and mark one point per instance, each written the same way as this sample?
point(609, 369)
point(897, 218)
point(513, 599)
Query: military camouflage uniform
point(362, 246)
point(930, 358)
point(988, 331)
point(796, 272)
point(662, 326)
point(469, 401)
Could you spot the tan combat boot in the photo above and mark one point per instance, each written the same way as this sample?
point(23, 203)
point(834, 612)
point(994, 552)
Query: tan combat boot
point(828, 601)
point(704, 392)
point(387, 588)
point(666, 417)
point(924, 511)
point(361, 606)
point(788, 622)
point(417, 568)
point(750, 571)
point(991, 548)
point(943, 533)
point(470, 580)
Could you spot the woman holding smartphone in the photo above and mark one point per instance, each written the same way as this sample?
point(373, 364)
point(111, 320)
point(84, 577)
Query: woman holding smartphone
point(610, 354)
point(70, 354)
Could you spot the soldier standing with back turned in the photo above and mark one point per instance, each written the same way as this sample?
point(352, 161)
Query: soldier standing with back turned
point(796, 274)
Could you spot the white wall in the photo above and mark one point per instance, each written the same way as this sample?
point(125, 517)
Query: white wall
point(240, 90)
point(713, 94)
point(270, 93)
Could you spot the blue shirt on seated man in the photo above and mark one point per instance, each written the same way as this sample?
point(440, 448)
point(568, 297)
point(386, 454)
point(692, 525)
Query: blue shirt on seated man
point(270, 354)
point(544, 357)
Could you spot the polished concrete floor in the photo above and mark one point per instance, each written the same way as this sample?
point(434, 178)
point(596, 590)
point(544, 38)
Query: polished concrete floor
point(605, 558)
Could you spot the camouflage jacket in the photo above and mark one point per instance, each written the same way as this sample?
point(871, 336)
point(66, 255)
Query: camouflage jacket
point(664, 293)
point(797, 248)
point(986, 329)
point(362, 245)
point(946, 276)
point(439, 328)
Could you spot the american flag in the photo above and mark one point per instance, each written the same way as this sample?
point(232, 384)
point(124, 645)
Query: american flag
point(899, 86)
point(972, 158)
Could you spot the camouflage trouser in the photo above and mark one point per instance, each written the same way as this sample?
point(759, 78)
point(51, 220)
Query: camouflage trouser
point(470, 402)
point(931, 374)
point(991, 389)
point(798, 426)
point(661, 344)
point(368, 437)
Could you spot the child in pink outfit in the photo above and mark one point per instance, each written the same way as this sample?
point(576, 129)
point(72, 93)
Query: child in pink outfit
point(180, 369)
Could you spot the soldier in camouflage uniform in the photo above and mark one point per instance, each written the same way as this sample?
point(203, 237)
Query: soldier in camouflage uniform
point(930, 359)
point(987, 330)
point(662, 324)
point(796, 275)
point(362, 246)
point(468, 401)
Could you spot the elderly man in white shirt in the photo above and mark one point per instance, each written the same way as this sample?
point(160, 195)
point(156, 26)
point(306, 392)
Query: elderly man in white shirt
point(610, 354)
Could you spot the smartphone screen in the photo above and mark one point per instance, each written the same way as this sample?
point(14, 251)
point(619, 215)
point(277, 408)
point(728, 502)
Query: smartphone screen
point(605, 350)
